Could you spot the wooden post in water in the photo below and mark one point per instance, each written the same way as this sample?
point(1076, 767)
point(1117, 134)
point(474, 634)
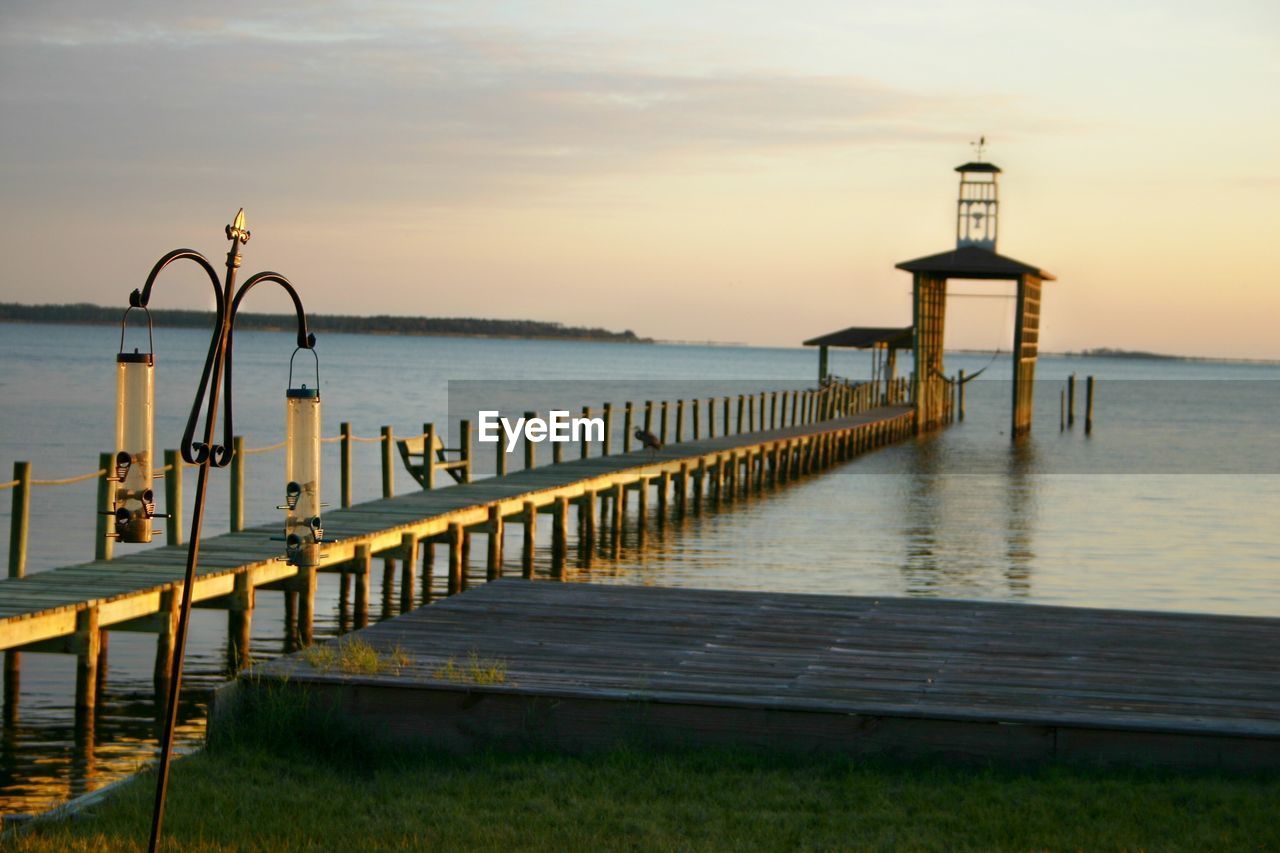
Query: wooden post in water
point(428, 568)
point(960, 395)
point(455, 558)
point(103, 545)
point(586, 445)
point(408, 570)
point(697, 419)
point(464, 445)
point(500, 457)
point(773, 410)
point(726, 429)
point(239, 622)
point(742, 403)
point(20, 519)
point(607, 445)
point(173, 497)
point(529, 516)
point(664, 487)
point(662, 425)
point(1071, 401)
point(388, 467)
point(530, 449)
point(166, 642)
point(648, 416)
point(87, 643)
point(363, 568)
point(428, 457)
point(628, 415)
point(1088, 405)
point(344, 462)
point(711, 417)
point(559, 536)
point(496, 535)
point(237, 484)
point(679, 421)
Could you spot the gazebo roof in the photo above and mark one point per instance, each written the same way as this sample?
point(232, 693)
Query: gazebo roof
point(865, 337)
point(973, 262)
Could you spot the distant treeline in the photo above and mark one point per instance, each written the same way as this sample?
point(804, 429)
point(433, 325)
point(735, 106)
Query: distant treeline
point(382, 324)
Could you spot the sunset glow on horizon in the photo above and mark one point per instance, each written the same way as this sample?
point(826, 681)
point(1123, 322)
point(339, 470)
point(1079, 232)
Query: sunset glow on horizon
point(741, 171)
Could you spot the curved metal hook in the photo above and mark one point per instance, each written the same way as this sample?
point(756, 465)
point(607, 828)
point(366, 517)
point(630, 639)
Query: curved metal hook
point(306, 340)
point(193, 452)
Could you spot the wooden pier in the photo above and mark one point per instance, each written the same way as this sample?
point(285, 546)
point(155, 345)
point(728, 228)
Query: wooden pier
point(70, 610)
point(587, 665)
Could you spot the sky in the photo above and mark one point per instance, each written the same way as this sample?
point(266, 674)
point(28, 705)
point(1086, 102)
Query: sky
point(700, 170)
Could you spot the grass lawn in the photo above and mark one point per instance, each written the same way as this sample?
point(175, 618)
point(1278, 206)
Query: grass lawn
point(323, 788)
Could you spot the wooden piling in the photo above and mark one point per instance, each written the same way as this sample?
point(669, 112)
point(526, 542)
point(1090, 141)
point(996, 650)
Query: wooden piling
point(662, 424)
point(362, 564)
point(173, 497)
point(428, 568)
point(104, 541)
point(500, 457)
point(388, 463)
point(1071, 401)
point(87, 644)
point(628, 414)
point(697, 419)
point(679, 421)
point(960, 395)
point(493, 567)
point(428, 457)
point(344, 463)
point(559, 536)
point(585, 450)
point(529, 516)
point(166, 640)
point(239, 623)
point(742, 403)
point(455, 558)
point(464, 447)
point(238, 458)
point(408, 570)
point(530, 448)
point(607, 445)
point(664, 488)
point(20, 519)
point(1088, 405)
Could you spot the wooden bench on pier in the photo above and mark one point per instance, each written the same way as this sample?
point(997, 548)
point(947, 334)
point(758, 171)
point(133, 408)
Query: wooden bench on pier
point(422, 466)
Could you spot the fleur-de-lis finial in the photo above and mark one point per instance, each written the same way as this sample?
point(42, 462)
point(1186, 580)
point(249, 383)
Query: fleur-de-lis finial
point(979, 146)
point(236, 230)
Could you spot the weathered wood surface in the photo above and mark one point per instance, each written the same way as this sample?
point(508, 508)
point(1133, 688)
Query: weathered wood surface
point(584, 662)
point(43, 606)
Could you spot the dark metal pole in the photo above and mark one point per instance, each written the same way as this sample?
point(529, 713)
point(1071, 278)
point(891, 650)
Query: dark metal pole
point(193, 555)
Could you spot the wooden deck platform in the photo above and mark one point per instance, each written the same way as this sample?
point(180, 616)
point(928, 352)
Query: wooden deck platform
point(65, 610)
point(589, 665)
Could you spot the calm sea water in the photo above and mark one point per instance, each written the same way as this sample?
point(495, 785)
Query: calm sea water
point(1169, 505)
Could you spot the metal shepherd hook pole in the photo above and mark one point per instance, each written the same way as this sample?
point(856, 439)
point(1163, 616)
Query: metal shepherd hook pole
point(215, 383)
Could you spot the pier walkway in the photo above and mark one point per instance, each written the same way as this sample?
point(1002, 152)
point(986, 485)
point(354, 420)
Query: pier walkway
point(589, 665)
point(66, 610)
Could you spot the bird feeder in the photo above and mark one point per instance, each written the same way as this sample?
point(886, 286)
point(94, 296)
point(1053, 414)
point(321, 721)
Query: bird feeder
point(303, 531)
point(133, 501)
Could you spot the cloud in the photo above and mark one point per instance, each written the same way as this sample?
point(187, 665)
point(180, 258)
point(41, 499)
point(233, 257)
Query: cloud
point(392, 103)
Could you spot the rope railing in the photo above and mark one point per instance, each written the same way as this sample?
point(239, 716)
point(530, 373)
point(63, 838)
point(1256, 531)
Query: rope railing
point(694, 418)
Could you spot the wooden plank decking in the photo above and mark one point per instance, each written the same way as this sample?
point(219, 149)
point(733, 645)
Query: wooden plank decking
point(588, 665)
point(134, 591)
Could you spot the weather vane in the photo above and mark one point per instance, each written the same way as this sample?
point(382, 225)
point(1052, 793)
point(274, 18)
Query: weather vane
point(979, 146)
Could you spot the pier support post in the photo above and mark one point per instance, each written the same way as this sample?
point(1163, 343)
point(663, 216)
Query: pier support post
point(662, 425)
point(305, 583)
point(166, 643)
point(388, 462)
point(1088, 405)
point(428, 457)
point(679, 421)
point(238, 458)
point(428, 568)
point(102, 545)
point(239, 623)
point(642, 507)
point(559, 536)
point(585, 449)
point(173, 497)
point(664, 487)
point(1071, 401)
point(530, 448)
point(88, 644)
point(530, 518)
point(456, 568)
point(628, 414)
point(697, 418)
point(493, 568)
point(344, 463)
point(607, 446)
point(362, 568)
point(408, 570)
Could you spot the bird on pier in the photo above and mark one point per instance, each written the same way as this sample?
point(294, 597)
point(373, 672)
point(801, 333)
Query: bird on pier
point(648, 441)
